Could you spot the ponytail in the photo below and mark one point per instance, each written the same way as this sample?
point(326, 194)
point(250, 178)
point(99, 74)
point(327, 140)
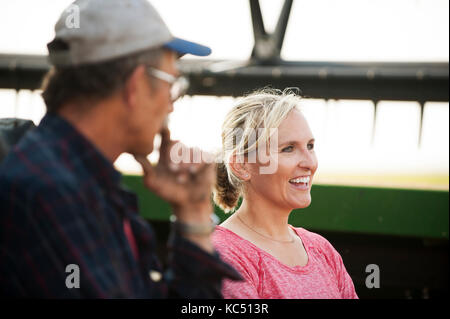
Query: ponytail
point(226, 196)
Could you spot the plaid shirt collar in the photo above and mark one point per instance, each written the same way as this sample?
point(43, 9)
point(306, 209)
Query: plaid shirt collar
point(90, 156)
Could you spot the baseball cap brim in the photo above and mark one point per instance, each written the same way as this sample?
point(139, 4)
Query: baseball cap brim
point(183, 47)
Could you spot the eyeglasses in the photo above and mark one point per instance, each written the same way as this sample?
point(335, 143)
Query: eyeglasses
point(178, 85)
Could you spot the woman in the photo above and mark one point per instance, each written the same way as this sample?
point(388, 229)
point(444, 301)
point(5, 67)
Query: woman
point(275, 259)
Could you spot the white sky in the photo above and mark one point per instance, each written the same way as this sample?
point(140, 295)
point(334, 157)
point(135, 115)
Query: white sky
point(339, 30)
point(383, 30)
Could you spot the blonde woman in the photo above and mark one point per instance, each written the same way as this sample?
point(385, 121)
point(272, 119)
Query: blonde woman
point(276, 259)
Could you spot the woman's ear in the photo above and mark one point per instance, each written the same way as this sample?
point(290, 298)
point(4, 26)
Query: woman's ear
point(239, 167)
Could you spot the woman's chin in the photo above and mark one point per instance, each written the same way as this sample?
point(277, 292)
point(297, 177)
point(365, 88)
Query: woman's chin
point(301, 204)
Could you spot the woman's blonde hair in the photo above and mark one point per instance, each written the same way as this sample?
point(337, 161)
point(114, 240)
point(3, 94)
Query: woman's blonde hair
point(264, 110)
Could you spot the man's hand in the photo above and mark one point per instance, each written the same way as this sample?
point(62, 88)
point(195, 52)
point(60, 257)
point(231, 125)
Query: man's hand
point(186, 186)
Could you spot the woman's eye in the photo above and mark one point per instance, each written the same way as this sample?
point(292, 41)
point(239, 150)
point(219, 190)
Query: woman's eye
point(287, 149)
point(310, 146)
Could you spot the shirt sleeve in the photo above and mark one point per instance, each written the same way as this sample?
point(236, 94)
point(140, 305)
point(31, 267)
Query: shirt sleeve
point(344, 281)
point(245, 289)
point(195, 273)
point(46, 228)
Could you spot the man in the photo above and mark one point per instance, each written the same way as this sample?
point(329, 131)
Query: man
point(67, 227)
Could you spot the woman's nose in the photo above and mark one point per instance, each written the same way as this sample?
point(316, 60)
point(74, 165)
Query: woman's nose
point(308, 160)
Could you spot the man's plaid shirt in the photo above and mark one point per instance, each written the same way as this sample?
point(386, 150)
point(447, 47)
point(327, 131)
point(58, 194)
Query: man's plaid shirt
point(61, 203)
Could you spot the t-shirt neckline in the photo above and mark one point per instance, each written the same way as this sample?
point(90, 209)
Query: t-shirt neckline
point(297, 268)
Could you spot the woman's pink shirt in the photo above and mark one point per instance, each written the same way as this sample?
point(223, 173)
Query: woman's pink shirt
point(323, 277)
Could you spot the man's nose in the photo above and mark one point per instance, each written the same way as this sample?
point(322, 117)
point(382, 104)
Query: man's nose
point(170, 108)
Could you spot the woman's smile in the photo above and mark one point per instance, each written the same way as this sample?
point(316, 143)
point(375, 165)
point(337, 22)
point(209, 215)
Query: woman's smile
point(301, 183)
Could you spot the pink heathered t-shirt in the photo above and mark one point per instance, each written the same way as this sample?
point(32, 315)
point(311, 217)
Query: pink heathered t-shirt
point(265, 277)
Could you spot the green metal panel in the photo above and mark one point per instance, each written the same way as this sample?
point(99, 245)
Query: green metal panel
point(404, 212)
point(369, 210)
point(150, 205)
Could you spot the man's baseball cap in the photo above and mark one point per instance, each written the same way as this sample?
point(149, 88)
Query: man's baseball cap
point(91, 31)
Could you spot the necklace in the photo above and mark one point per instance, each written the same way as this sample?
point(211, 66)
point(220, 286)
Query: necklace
point(267, 237)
